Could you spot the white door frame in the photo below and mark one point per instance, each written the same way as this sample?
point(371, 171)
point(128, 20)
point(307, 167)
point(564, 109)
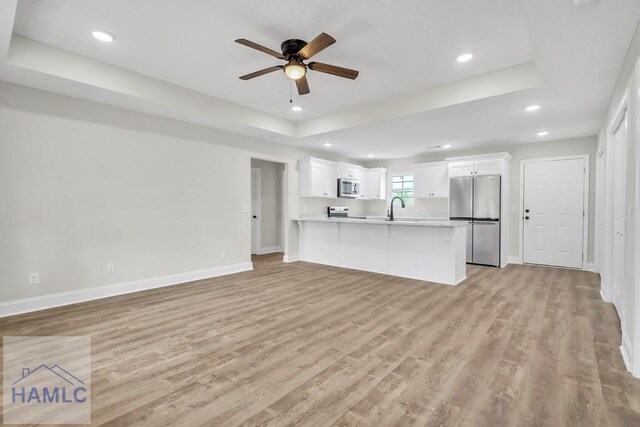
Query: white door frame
point(256, 210)
point(585, 202)
point(633, 123)
point(606, 263)
point(286, 203)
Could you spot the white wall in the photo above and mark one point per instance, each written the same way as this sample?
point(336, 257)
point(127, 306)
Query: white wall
point(438, 207)
point(270, 203)
point(84, 184)
point(628, 83)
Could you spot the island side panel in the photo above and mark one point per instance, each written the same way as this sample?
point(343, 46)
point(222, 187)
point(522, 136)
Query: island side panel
point(364, 247)
point(424, 253)
point(460, 253)
point(319, 242)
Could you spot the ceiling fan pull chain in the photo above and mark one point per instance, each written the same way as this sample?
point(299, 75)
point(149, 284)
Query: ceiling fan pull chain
point(291, 92)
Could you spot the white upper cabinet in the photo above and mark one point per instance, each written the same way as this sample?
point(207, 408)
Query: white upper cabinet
point(318, 178)
point(457, 169)
point(489, 167)
point(348, 171)
point(477, 167)
point(431, 180)
point(374, 187)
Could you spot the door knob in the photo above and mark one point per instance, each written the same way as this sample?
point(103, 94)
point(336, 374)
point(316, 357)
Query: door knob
point(526, 217)
point(526, 210)
point(255, 216)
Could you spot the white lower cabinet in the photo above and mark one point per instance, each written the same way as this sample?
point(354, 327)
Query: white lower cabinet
point(431, 180)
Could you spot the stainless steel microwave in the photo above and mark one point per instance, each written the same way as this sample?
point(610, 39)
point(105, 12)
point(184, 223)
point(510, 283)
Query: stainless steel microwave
point(348, 188)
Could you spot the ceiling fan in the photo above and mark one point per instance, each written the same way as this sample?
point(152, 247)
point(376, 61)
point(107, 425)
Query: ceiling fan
point(295, 52)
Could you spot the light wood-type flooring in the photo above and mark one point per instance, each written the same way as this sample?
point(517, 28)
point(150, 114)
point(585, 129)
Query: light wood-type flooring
point(305, 344)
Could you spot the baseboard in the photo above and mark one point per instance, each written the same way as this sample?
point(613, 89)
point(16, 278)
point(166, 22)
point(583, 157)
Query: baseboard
point(514, 260)
point(290, 258)
point(270, 250)
point(43, 302)
point(626, 355)
point(603, 297)
point(460, 281)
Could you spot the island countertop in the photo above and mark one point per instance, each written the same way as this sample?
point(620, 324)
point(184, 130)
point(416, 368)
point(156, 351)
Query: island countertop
point(383, 221)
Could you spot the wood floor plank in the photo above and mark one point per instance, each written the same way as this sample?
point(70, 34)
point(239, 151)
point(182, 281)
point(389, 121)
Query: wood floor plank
point(306, 344)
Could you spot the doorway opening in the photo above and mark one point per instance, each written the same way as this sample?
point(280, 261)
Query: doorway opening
point(267, 211)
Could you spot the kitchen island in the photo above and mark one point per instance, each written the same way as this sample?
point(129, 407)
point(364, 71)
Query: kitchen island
point(431, 250)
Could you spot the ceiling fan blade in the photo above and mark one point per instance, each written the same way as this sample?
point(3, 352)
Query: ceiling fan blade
point(256, 46)
point(303, 85)
point(316, 45)
point(333, 69)
point(261, 72)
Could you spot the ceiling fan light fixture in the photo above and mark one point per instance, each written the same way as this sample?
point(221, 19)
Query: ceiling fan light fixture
point(295, 70)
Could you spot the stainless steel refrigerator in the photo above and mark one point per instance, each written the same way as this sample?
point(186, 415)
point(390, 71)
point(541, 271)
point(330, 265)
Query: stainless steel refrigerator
point(477, 200)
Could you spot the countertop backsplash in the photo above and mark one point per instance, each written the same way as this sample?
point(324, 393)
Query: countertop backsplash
point(427, 208)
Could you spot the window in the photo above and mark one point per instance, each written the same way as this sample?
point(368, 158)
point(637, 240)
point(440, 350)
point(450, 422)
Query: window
point(402, 186)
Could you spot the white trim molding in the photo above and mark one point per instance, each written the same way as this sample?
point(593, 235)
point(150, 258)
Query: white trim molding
point(291, 258)
point(269, 250)
point(626, 350)
point(27, 305)
point(514, 260)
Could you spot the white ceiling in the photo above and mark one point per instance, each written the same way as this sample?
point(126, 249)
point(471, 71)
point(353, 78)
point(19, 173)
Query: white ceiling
point(399, 50)
point(191, 43)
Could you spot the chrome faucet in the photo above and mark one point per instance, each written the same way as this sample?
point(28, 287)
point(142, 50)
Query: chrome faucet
point(391, 210)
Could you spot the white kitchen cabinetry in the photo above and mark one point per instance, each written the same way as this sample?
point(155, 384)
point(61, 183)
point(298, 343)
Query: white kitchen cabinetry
point(348, 171)
point(431, 180)
point(476, 168)
point(457, 169)
point(374, 186)
point(318, 178)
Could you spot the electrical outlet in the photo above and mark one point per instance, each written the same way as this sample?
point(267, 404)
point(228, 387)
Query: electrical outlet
point(34, 278)
point(223, 253)
point(111, 268)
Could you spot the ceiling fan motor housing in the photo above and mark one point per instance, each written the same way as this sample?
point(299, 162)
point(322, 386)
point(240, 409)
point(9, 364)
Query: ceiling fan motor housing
point(290, 48)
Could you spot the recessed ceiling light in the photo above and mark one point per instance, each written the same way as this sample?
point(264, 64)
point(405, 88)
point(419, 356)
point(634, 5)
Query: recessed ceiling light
point(327, 144)
point(296, 108)
point(465, 57)
point(534, 107)
point(103, 36)
point(543, 133)
point(369, 155)
point(446, 146)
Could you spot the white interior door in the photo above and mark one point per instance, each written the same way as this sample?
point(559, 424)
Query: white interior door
point(619, 203)
point(554, 212)
point(256, 208)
